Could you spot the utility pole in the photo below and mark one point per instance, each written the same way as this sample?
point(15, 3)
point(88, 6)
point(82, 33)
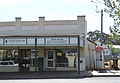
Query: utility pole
point(101, 40)
point(101, 55)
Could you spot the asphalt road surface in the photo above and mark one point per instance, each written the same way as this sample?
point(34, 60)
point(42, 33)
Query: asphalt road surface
point(80, 80)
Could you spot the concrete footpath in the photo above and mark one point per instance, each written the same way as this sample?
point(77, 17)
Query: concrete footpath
point(106, 73)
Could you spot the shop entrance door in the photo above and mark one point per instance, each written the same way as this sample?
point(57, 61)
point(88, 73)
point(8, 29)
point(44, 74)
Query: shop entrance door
point(50, 58)
point(25, 59)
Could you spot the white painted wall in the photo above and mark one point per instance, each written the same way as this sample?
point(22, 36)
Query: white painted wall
point(43, 27)
point(90, 55)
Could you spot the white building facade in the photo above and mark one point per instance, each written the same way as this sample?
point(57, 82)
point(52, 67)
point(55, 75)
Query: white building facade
point(55, 45)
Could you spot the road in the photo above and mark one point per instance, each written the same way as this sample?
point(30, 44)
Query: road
point(81, 80)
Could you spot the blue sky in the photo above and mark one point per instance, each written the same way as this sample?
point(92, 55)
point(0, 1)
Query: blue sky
point(53, 10)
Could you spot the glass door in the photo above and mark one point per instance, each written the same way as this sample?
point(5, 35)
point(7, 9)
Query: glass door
point(50, 58)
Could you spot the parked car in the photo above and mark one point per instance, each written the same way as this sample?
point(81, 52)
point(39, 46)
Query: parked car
point(107, 66)
point(8, 63)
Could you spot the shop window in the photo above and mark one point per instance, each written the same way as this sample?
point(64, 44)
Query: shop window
point(9, 55)
point(50, 55)
point(66, 58)
point(27, 56)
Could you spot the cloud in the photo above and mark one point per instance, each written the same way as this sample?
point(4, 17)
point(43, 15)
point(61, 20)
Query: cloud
point(12, 2)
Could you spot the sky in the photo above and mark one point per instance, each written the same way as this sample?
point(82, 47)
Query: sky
point(30, 10)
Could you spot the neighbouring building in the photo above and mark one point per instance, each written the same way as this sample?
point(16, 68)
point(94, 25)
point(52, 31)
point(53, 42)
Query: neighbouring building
point(103, 56)
point(54, 45)
point(91, 62)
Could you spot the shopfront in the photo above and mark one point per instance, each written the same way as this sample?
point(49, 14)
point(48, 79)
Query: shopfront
point(17, 60)
point(46, 54)
point(61, 58)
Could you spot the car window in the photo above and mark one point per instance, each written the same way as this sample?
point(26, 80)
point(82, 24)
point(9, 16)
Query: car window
point(4, 63)
point(10, 63)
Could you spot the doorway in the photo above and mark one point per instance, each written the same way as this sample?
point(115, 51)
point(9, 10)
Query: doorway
point(50, 59)
point(24, 63)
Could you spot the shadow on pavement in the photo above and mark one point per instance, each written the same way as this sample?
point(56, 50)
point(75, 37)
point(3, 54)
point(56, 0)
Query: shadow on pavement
point(46, 75)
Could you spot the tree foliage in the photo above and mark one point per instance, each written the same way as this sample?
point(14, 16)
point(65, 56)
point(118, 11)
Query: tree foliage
point(112, 7)
point(106, 38)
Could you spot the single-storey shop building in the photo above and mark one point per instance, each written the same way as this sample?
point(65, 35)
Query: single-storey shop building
point(54, 45)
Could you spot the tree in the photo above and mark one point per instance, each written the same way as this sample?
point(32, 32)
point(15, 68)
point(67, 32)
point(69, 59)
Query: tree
point(96, 36)
point(112, 7)
point(106, 39)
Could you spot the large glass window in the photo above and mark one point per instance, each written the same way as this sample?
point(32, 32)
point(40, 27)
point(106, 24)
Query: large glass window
point(9, 57)
point(66, 58)
point(27, 56)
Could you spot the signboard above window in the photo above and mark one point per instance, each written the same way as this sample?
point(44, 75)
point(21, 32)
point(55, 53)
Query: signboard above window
point(15, 41)
point(57, 41)
point(74, 40)
point(41, 41)
point(1, 41)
